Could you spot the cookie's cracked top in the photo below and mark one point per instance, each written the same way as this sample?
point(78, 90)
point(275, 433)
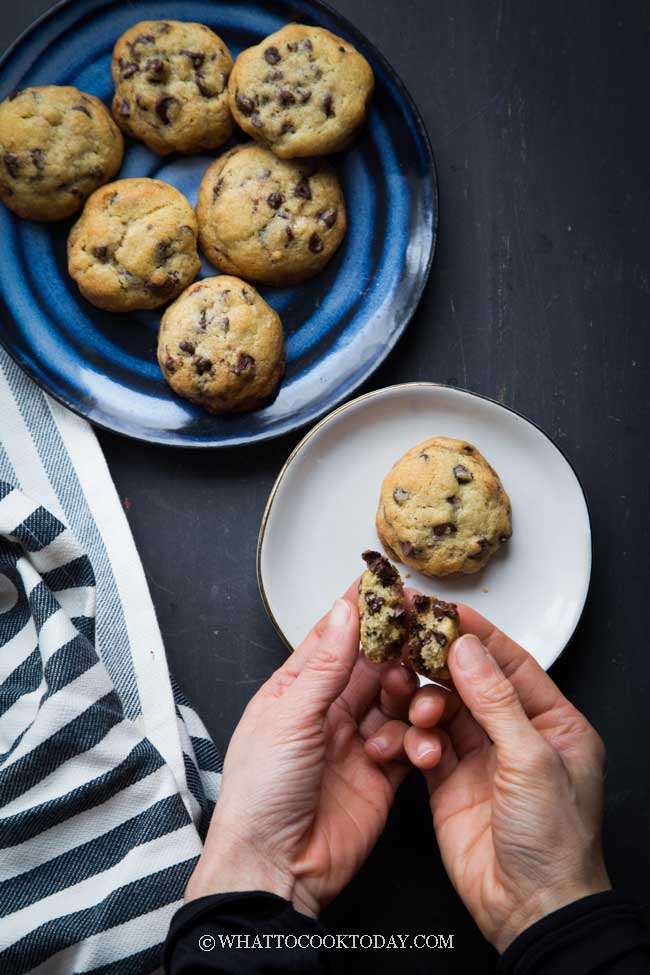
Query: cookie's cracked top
point(303, 91)
point(443, 509)
point(171, 80)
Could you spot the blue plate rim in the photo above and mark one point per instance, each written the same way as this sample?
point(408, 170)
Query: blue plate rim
point(290, 425)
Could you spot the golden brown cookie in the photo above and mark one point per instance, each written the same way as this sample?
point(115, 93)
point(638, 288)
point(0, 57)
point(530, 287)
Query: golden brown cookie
point(382, 615)
point(134, 245)
point(303, 91)
point(271, 220)
point(433, 627)
point(57, 145)
point(443, 509)
point(171, 80)
point(221, 346)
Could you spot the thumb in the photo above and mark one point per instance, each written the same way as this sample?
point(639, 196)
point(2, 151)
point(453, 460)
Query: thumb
point(492, 699)
point(327, 670)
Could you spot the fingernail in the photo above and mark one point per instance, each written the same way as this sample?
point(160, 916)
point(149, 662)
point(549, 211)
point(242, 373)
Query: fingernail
point(339, 613)
point(469, 652)
point(379, 743)
point(424, 749)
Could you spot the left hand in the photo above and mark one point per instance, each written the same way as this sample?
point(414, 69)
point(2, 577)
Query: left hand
point(311, 771)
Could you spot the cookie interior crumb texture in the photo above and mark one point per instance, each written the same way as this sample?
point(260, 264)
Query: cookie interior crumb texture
point(171, 80)
point(303, 91)
point(221, 346)
point(433, 627)
point(134, 245)
point(443, 509)
point(270, 220)
point(57, 145)
point(381, 609)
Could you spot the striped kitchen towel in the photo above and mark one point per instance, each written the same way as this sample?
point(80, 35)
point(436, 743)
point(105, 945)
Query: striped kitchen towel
point(107, 777)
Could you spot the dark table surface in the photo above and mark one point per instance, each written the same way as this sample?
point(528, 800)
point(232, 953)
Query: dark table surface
point(539, 297)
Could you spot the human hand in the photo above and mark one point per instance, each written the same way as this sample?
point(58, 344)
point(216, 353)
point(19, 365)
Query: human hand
point(517, 788)
point(303, 798)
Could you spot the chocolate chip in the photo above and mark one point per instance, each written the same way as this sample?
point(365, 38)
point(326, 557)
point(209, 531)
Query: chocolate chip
point(503, 538)
point(245, 363)
point(409, 550)
point(204, 89)
point(186, 346)
point(287, 126)
point(302, 189)
point(195, 57)
point(224, 321)
point(164, 27)
point(274, 76)
point(12, 164)
point(125, 108)
point(342, 49)
point(289, 233)
point(462, 475)
point(439, 637)
point(307, 44)
point(275, 200)
point(292, 47)
point(286, 97)
point(484, 546)
point(217, 188)
point(423, 455)
point(163, 107)
point(256, 120)
point(264, 174)
point(163, 252)
point(328, 107)
point(272, 55)
point(397, 614)
point(304, 97)
point(441, 609)
point(170, 364)
point(468, 449)
point(203, 320)
point(452, 499)
point(202, 364)
point(128, 68)
point(82, 108)
point(247, 296)
point(381, 567)
point(329, 218)
point(163, 288)
point(373, 602)
point(245, 104)
point(144, 39)
point(37, 157)
point(445, 529)
point(315, 244)
point(400, 495)
point(421, 603)
point(101, 253)
point(155, 70)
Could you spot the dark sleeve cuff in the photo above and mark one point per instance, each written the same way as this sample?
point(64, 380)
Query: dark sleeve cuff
point(601, 933)
point(250, 932)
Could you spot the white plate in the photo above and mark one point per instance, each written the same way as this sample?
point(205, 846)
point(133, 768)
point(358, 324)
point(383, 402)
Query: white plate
point(321, 515)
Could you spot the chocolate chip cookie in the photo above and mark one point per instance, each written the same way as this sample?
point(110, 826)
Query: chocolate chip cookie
point(134, 245)
point(382, 614)
point(171, 81)
point(433, 627)
point(271, 220)
point(220, 345)
point(443, 509)
point(302, 91)
point(57, 145)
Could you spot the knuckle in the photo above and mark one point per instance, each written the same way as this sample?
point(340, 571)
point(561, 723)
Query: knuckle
point(499, 695)
point(325, 661)
point(543, 759)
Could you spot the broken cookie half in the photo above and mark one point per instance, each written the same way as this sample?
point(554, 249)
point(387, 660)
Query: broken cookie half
point(382, 613)
point(433, 627)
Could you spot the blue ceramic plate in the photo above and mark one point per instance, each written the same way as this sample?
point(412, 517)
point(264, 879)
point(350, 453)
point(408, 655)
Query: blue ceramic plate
point(339, 326)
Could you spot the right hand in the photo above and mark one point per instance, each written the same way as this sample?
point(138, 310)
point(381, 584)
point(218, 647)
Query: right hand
point(517, 787)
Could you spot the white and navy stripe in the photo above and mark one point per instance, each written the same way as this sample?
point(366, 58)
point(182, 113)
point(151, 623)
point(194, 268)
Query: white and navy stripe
point(104, 797)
